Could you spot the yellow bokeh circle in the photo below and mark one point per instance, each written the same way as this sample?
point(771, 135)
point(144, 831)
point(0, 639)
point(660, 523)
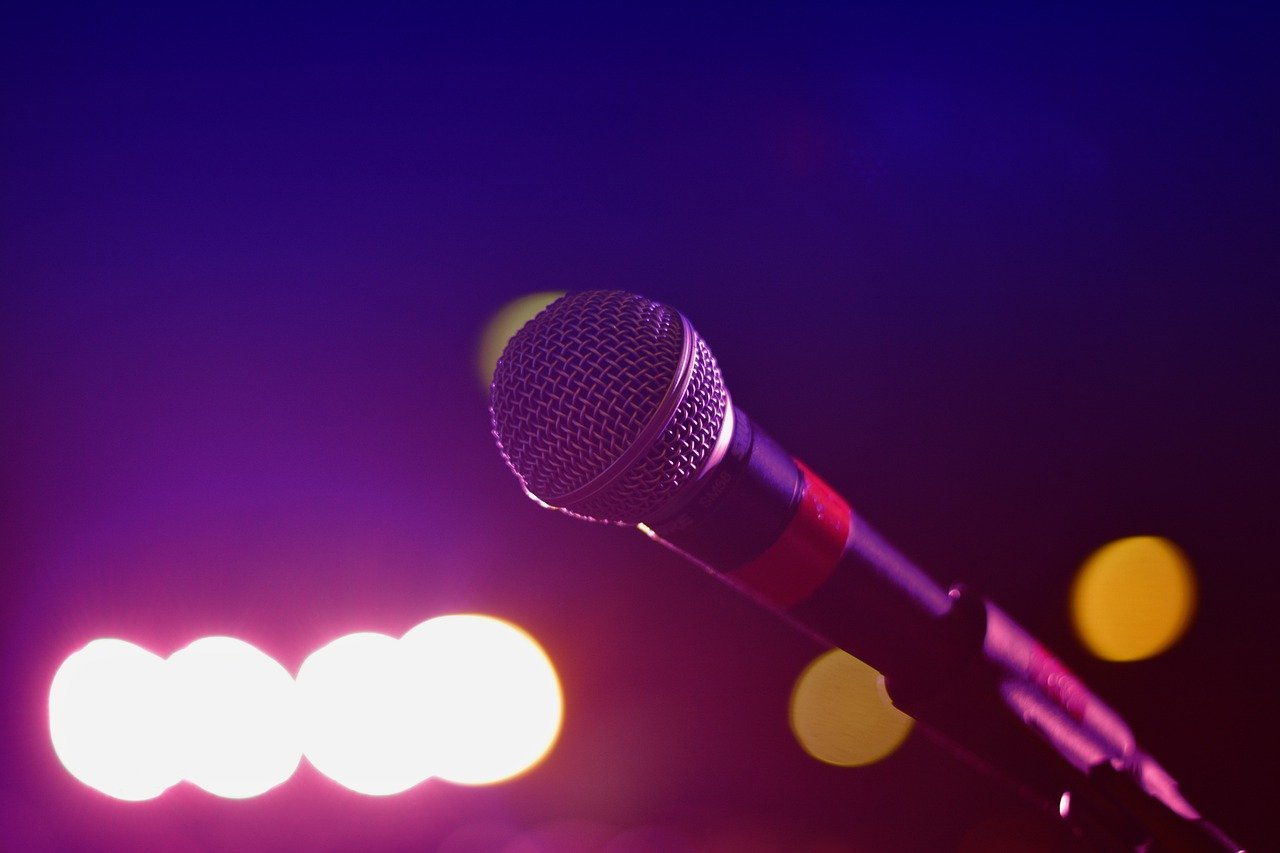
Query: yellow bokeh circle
point(841, 715)
point(1133, 598)
point(505, 323)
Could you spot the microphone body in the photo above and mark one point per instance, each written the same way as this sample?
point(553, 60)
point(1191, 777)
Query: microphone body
point(774, 530)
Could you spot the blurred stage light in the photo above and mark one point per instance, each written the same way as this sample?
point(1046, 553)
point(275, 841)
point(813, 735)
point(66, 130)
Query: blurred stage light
point(841, 715)
point(1133, 598)
point(235, 716)
point(471, 699)
point(110, 720)
point(363, 714)
point(505, 323)
point(496, 705)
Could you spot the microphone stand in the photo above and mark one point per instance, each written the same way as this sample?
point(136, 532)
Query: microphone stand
point(1117, 799)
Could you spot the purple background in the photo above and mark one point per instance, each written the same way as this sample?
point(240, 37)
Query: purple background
point(1005, 278)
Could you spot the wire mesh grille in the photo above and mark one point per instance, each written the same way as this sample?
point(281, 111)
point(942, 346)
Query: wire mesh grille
point(576, 387)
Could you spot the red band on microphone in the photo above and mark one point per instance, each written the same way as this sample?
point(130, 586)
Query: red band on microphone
point(808, 550)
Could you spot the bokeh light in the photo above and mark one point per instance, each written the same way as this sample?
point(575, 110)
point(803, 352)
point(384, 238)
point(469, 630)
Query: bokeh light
point(364, 715)
point(110, 720)
point(235, 717)
point(496, 702)
point(505, 323)
point(1133, 598)
point(469, 698)
point(841, 715)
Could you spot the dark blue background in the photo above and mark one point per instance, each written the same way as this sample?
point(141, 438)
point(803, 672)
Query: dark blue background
point(1006, 277)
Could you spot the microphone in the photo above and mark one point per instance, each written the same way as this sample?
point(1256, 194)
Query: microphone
point(610, 407)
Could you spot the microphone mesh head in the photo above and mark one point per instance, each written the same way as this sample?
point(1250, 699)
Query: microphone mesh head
point(583, 385)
